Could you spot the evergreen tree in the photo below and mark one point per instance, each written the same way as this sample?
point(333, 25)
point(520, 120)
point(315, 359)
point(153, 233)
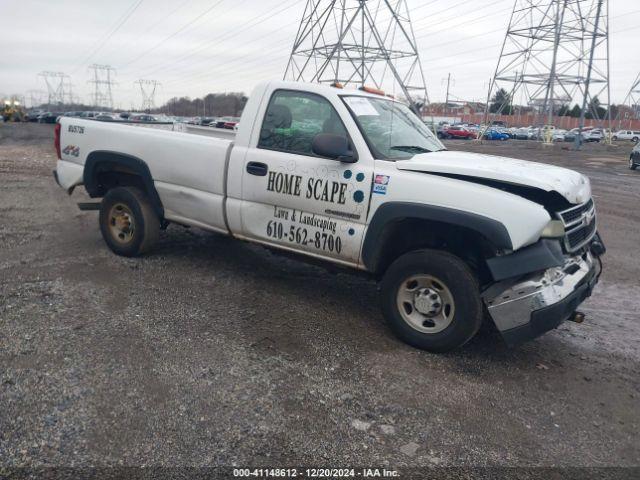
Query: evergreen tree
point(501, 102)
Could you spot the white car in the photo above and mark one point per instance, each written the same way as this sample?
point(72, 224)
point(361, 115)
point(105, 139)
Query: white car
point(356, 179)
point(632, 135)
point(559, 135)
point(593, 135)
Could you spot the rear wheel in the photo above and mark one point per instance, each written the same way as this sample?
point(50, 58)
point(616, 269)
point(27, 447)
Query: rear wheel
point(431, 300)
point(634, 139)
point(128, 223)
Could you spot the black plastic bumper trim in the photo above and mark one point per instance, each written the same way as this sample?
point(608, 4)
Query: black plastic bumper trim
point(540, 256)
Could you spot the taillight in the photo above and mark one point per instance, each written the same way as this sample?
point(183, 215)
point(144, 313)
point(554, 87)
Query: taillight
point(56, 140)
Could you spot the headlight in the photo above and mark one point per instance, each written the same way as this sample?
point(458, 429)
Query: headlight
point(554, 229)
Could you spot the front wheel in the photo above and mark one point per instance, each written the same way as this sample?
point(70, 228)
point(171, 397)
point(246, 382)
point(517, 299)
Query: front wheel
point(634, 139)
point(431, 300)
point(128, 223)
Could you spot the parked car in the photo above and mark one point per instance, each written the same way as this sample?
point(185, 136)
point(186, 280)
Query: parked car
point(206, 121)
point(226, 122)
point(523, 133)
point(632, 135)
point(634, 157)
point(495, 134)
point(231, 123)
point(559, 135)
point(441, 130)
point(594, 135)
point(143, 117)
point(571, 135)
point(461, 132)
point(33, 115)
point(48, 117)
point(106, 117)
point(451, 235)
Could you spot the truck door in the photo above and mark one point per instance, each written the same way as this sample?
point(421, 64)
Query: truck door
point(296, 199)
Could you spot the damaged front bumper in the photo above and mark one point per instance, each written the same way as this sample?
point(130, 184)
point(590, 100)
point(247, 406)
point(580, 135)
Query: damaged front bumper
point(525, 308)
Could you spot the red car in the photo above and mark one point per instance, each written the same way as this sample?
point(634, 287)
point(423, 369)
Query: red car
point(460, 132)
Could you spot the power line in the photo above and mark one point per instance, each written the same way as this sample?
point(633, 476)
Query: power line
point(218, 65)
point(238, 30)
point(110, 34)
point(177, 32)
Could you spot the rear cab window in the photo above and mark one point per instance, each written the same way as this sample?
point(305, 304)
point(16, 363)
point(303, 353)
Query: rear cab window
point(294, 118)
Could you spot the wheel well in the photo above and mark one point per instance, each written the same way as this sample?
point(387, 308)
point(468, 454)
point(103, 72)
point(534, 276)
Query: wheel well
point(403, 236)
point(104, 171)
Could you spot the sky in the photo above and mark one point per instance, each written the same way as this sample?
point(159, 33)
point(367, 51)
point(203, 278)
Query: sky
point(194, 47)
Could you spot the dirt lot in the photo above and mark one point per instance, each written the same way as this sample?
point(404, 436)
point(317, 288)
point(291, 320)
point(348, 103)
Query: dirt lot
point(216, 352)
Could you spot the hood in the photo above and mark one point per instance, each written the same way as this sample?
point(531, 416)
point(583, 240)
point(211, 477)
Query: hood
point(573, 186)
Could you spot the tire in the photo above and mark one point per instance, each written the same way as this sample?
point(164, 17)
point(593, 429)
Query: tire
point(614, 138)
point(416, 276)
point(632, 164)
point(129, 225)
point(634, 139)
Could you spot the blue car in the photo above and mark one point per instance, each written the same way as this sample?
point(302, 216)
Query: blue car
point(494, 134)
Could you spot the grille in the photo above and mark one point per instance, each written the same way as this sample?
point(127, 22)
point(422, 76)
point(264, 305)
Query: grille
point(574, 215)
point(580, 224)
point(578, 237)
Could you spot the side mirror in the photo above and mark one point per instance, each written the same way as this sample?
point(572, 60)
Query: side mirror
point(333, 146)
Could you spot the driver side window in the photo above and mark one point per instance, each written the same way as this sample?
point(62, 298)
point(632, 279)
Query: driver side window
point(294, 118)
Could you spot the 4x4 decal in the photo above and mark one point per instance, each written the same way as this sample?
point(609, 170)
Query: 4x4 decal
point(71, 150)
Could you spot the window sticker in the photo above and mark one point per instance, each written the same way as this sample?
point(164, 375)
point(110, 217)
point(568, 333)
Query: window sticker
point(380, 184)
point(361, 106)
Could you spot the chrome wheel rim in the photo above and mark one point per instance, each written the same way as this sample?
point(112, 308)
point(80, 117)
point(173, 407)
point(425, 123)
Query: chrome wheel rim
point(425, 303)
point(121, 223)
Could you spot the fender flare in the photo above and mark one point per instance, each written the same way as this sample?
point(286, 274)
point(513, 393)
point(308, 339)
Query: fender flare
point(104, 161)
point(494, 231)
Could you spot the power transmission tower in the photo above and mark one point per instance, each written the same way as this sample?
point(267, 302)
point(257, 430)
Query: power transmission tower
point(554, 52)
point(631, 101)
point(148, 90)
point(36, 97)
point(103, 83)
point(359, 42)
point(57, 86)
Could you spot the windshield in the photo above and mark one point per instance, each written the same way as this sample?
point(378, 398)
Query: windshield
point(391, 129)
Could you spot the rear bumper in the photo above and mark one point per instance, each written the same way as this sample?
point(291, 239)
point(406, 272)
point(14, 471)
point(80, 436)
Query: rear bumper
point(540, 302)
point(68, 175)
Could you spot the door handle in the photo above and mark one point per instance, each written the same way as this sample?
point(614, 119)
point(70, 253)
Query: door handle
point(257, 168)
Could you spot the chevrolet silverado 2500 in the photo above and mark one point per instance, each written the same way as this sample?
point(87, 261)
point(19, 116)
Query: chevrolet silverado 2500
point(356, 179)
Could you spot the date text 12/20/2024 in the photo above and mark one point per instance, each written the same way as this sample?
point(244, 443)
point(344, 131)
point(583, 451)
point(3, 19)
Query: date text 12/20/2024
point(315, 473)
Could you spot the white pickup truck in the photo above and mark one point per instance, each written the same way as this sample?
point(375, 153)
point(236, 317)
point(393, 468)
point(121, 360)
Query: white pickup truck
point(357, 179)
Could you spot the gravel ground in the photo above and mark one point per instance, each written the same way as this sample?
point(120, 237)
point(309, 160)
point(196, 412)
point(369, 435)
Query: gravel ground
point(216, 352)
